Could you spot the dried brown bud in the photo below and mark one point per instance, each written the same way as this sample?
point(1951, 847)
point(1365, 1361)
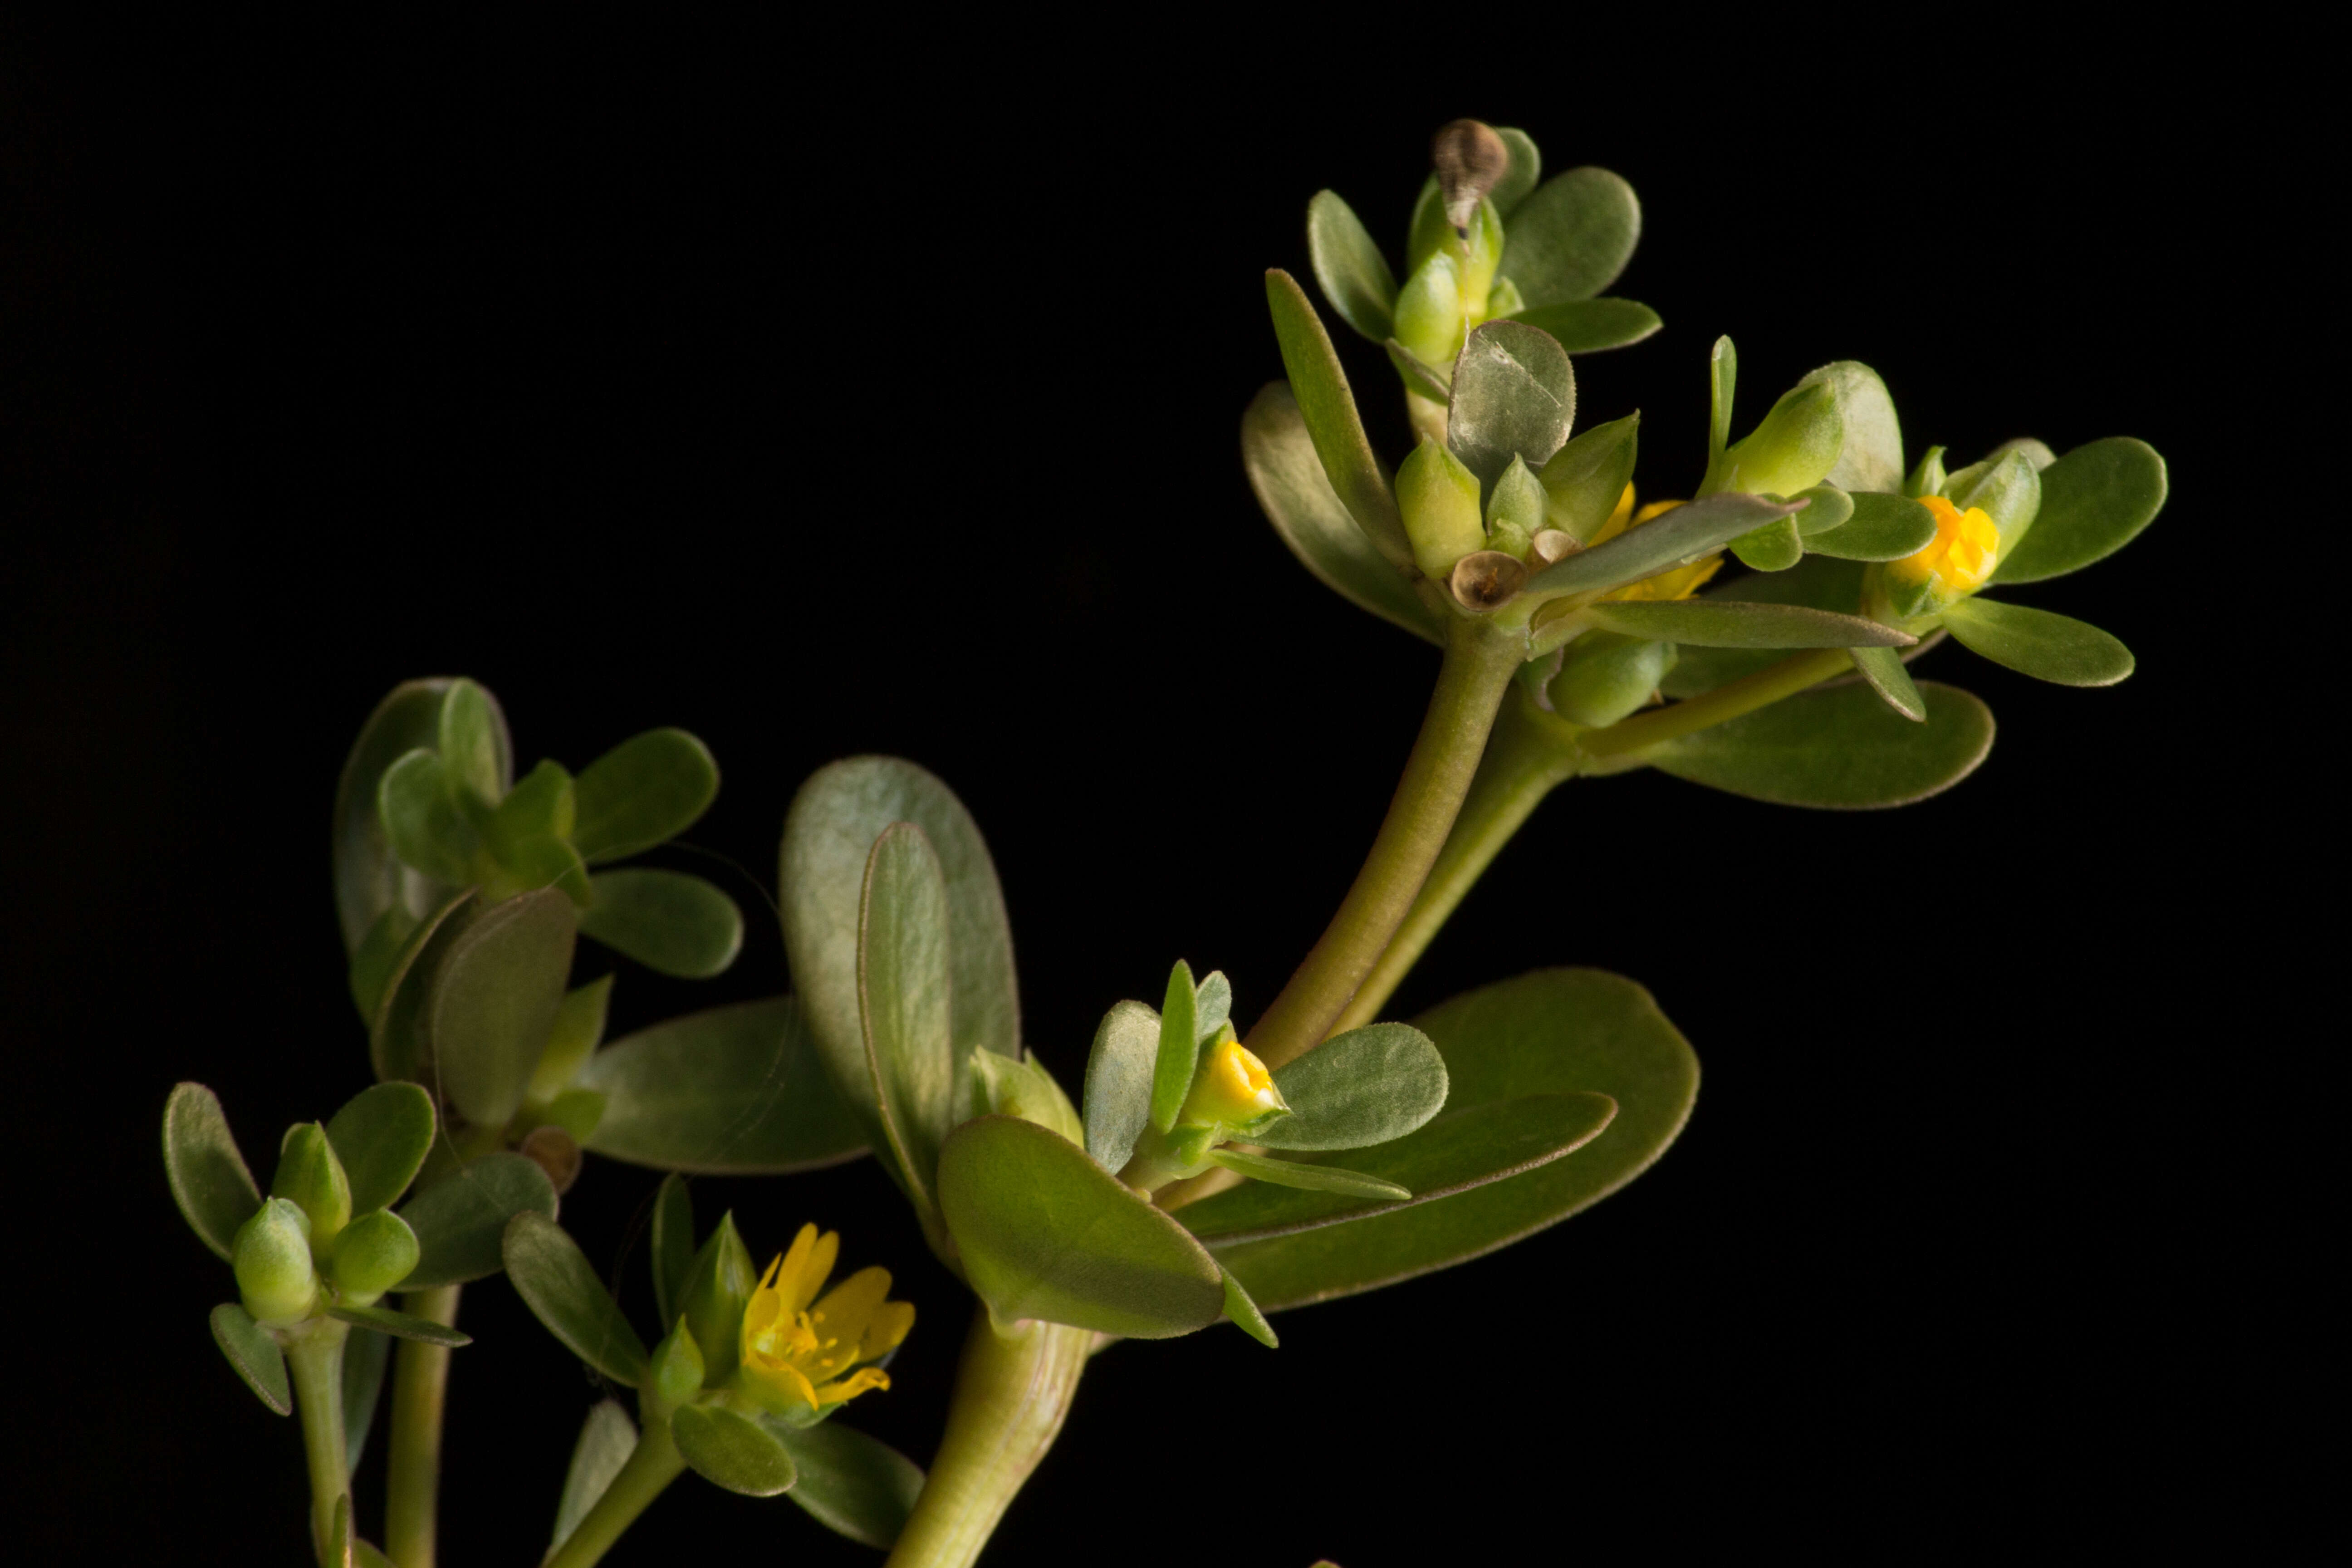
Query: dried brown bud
point(555, 1152)
point(1469, 159)
point(1553, 545)
point(1488, 579)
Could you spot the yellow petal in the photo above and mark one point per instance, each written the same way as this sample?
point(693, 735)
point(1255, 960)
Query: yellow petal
point(1620, 517)
point(889, 1325)
point(850, 1387)
point(842, 1314)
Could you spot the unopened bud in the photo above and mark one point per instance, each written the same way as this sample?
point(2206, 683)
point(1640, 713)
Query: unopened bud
point(375, 1252)
point(678, 1366)
point(1470, 159)
point(1516, 510)
point(310, 1175)
point(1439, 498)
point(719, 1286)
point(272, 1258)
point(1428, 318)
point(1792, 450)
point(1233, 1089)
point(1605, 676)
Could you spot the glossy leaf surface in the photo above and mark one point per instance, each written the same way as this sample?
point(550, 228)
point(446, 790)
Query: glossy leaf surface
point(209, 1180)
point(1514, 396)
point(646, 791)
point(1367, 1086)
point(671, 921)
point(1118, 1082)
point(731, 1450)
point(1328, 408)
point(1841, 749)
point(1675, 539)
point(902, 986)
point(493, 999)
point(735, 1090)
point(1882, 528)
point(1355, 275)
point(1585, 1036)
point(381, 1136)
point(2047, 646)
point(254, 1354)
point(1589, 326)
point(460, 1220)
point(559, 1284)
point(1730, 623)
point(1298, 499)
point(1571, 236)
point(2094, 500)
point(1044, 1232)
point(852, 1484)
point(606, 1440)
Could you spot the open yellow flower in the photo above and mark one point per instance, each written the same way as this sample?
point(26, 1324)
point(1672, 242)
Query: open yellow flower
point(1679, 584)
point(798, 1355)
point(1963, 554)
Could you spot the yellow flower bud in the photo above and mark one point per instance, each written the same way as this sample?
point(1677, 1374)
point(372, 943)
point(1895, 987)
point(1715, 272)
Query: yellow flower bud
point(1233, 1089)
point(1439, 498)
point(1956, 561)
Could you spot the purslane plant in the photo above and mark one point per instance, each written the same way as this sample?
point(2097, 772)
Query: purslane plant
point(1203, 1174)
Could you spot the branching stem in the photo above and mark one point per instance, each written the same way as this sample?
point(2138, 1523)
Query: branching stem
point(651, 1466)
point(420, 1392)
point(314, 1353)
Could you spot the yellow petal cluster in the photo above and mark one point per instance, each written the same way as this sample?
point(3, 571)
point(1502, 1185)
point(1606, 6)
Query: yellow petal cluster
point(799, 1349)
point(1679, 584)
point(1232, 1087)
point(1963, 554)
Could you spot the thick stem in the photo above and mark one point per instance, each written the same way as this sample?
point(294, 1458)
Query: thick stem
point(1743, 696)
point(315, 1354)
point(420, 1392)
point(1012, 1393)
point(1480, 659)
point(1522, 766)
point(651, 1466)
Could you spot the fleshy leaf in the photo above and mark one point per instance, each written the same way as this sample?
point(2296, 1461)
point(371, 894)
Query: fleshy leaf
point(669, 1243)
point(1118, 1082)
point(1298, 499)
point(673, 922)
point(210, 1182)
point(1514, 396)
point(369, 878)
point(492, 1000)
point(646, 791)
point(1882, 528)
point(1723, 380)
point(559, 1284)
point(1871, 457)
point(2094, 500)
point(731, 1450)
point(381, 1136)
point(1589, 326)
point(1882, 669)
point(1525, 169)
point(461, 1219)
point(1839, 749)
point(255, 1354)
point(1420, 377)
point(852, 1484)
point(1305, 1177)
point(1775, 547)
point(401, 1326)
point(2047, 646)
point(902, 988)
point(1328, 408)
point(1571, 236)
point(1730, 623)
point(1242, 1314)
point(1676, 539)
point(423, 823)
point(1044, 1232)
point(1355, 275)
point(395, 1028)
point(734, 1090)
point(1368, 1086)
point(1179, 1050)
point(1585, 478)
point(606, 1440)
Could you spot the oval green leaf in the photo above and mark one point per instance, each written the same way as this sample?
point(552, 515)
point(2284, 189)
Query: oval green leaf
point(461, 1220)
point(1525, 168)
point(1355, 275)
point(1368, 1086)
point(1571, 236)
point(1775, 547)
point(1179, 1050)
point(1731, 623)
point(1298, 499)
point(1838, 749)
point(606, 1440)
point(731, 1450)
point(1882, 528)
point(2094, 500)
point(2047, 646)
point(559, 1284)
point(381, 1136)
point(1046, 1233)
point(255, 1355)
point(1118, 1082)
point(1871, 457)
point(1328, 408)
point(1882, 668)
point(209, 1180)
point(903, 1003)
point(852, 1484)
point(423, 823)
point(1571, 1032)
point(1514, 396)
point(735, 1090)
point(396, 1027)
point(369, 878)
point(673, 922)
point(492, 1000)
point(646, 791)
point(1589, 326)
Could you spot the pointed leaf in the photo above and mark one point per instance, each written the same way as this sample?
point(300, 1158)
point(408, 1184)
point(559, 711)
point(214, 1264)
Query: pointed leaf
point(1841, 749)
point(671, 921)
point(366, 1354)
point(902, 987)
point(369, 878)
point(607, 1438)
point(1355, 277)
point(1328, 408)
point(401, 1325)
point(2094, 500)
point(1723, 374)
point(1514, 396)
point(1242, 1314)
point(1817, 581)
point(381, 1136)
point(1871, 457)
point(1882, 528)
point(460, 1219)
point(646, 791)
point(733, 1090)
point(731, 1450)
point(1729, 623)
point(1675, 539)
point(559, 1285)
point(2047, 646)
point(255, 1354)
point(209, 1180)
point(852, 1484)
point(1308, 1177)
point(671, 1246)
point(1118, 1082)
point(1044, 1232)
point(1883, 670)
point(1298, 499)
point(1571, 236)
point(1420, 377)
point(1563, 1033)
point(1368, 1086)
point(1178, 1051)
point(492, 1000)
point(1589, 326)
point(1585, 478)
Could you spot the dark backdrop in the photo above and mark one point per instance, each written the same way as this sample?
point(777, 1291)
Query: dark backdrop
point(823, 399)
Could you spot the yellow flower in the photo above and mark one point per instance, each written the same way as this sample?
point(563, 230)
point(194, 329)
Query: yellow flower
point(1962, 554)
point(1679, 584)
point(795, 1354)
point(1233, 1089)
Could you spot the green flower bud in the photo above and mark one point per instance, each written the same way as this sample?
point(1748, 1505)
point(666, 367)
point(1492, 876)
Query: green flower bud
point(272, 1258)
point(1605, 676)
point(375, 1252)
point(1927, 479)
point(1428, 316)
point(678, 1366)
point(310, 1175)
point(719, 1286)
point(1439, 498)
point(1515, 512)
point(1792, 450)
point(1003, 1086)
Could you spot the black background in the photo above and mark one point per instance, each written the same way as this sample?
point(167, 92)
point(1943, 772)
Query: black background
point(824, 398)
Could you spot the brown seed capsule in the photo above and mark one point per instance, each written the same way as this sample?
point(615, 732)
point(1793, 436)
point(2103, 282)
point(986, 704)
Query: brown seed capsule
point(1469, 159)
point(1488, 579)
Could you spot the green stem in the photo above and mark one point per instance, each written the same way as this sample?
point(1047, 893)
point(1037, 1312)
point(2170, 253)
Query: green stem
point(1523, 764)
point(1746, 695)
point(1011, 1392)
point(315, 1353)
point(420, 1392)
point(651, 1466)
point(1480, 659)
